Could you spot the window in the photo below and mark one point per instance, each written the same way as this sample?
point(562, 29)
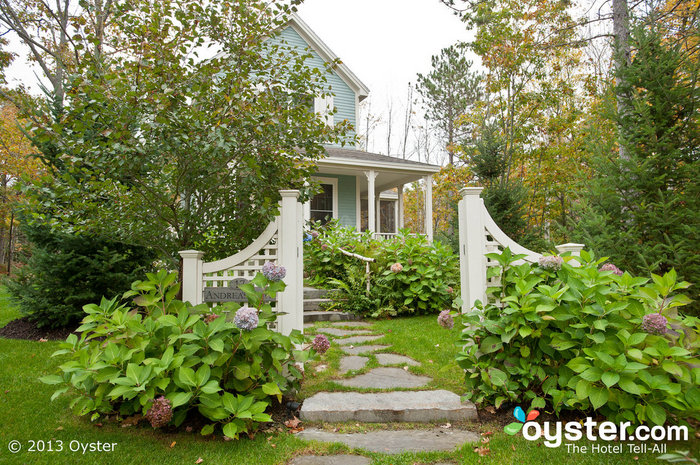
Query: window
point(387, 211)
point(322, 204)
point(324, 106)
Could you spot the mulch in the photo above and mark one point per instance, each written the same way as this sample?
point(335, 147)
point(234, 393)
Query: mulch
point(24, 328)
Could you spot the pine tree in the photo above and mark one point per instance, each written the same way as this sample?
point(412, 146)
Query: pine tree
point(643, 210)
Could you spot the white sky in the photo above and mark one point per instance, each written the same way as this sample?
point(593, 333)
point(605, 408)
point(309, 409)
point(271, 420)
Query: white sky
point(384, 42)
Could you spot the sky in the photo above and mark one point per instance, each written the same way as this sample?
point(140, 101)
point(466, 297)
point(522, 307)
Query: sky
point(384, 42)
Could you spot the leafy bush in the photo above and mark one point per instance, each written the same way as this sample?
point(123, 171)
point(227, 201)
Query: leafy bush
point(581, 338)
point(408, 275)
point(66, 271)
point(165, 359)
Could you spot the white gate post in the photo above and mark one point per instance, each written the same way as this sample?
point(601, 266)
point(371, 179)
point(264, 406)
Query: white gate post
point(291, 257)
point(575, 250)
point(472, 248)
point(192, 276)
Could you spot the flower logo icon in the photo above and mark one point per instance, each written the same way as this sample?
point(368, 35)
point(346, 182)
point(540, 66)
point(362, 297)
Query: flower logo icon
point(513, 428)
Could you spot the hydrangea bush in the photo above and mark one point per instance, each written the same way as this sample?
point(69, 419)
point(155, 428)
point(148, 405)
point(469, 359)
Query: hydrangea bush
point(583, 338)
point(410, 275)
point(164, 359)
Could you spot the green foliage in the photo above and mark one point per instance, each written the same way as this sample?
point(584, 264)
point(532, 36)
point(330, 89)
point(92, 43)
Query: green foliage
point(130, 354)
point(67, 271)
point(643, 209)
point(573, 339)
point(426, 282)
point(155, 141)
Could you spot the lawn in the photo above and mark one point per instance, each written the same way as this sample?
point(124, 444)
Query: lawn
point(29, 415)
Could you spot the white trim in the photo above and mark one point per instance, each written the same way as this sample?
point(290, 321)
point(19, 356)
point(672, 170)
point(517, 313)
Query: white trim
point(394, 167)
point(333, 182)
point(315, 42)
point(233, 260)
point(358, 204)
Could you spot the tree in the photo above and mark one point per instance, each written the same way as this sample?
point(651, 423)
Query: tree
point(448, 92)
point(159, 147)
point(15, 163)
point(643, 208)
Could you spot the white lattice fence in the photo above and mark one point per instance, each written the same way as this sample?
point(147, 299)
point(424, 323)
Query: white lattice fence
point(280, 243)
point(479, 235)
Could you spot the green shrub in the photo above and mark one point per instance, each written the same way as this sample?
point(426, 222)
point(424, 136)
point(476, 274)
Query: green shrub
point(66, 272)
point(129, 356)
point(581, 338)
point(424, 281)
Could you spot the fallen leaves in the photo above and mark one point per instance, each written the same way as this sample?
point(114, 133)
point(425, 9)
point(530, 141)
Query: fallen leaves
point(294, 425)
point(482, 451)
point(172, 444)
point(199, 460)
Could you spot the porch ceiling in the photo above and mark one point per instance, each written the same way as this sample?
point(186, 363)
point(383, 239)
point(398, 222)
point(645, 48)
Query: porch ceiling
point(391, 172)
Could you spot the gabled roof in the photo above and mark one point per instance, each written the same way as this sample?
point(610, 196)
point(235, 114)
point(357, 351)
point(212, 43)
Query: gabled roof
point(328, 56)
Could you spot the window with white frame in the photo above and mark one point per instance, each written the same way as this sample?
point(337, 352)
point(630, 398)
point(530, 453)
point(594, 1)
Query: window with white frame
point(324, 107)
point(324, 205)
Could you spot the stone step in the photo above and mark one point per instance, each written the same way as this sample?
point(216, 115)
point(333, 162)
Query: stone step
point(391, 442)
point(313, 293)
point(310, 317)
point(311, 305)
point(386, 407)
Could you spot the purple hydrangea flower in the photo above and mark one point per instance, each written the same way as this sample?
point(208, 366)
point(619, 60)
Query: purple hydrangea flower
point(160, 412)
point(396, 268)
point(321, 343)
point(314, 234)
point(611, 267)
point(246, 318)
point(274, 272)
point(654, 323)
point(551, 262)
point(445, 319)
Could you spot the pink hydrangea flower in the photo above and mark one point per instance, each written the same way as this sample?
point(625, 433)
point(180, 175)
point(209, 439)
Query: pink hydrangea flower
point(611, 267)
point(655, 323)
point(160, 412)
point(321, 344)
point(274, 272)
point(396, 268)
point(450, 290)
point(445, 319)
point(210, 317)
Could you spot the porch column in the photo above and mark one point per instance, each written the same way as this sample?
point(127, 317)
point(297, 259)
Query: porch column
point(371, 211)
point(307, 206)
point(429, 207)
point(379, 215)
point(399, 222)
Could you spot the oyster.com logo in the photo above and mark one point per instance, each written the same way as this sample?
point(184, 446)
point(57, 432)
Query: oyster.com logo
point(519, 414)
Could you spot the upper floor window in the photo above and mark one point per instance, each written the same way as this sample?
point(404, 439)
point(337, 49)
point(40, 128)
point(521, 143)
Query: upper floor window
point(324, 106)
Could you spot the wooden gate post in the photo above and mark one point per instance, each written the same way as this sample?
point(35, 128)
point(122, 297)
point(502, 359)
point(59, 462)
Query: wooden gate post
point(192, 276)
point(472, 247)
point(291, 256)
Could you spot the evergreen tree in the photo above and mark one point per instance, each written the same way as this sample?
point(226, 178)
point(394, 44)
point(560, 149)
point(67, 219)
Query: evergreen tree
point(448, 92)
point(643, 210)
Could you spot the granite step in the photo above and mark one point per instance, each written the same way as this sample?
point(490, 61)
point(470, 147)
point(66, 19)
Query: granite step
point(311, 305)
point(386, 407)
point(311, 316)
point(313, 293)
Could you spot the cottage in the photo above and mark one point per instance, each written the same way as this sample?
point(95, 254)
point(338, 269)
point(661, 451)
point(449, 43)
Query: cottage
point(361, 189)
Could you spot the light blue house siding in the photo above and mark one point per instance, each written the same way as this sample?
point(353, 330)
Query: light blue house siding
point(343, 96)
point(347, 206)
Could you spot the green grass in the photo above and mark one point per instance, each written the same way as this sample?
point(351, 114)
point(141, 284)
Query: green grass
point(8, 312)
point(27, 414)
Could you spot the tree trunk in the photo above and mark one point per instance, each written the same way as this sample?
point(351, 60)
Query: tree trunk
point(9, 244)
point(621, 31)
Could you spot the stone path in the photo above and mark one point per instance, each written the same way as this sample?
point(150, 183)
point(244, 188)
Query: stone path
point(388, 405)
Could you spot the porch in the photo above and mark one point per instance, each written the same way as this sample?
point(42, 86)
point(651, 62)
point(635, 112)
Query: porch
point(365, 191)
